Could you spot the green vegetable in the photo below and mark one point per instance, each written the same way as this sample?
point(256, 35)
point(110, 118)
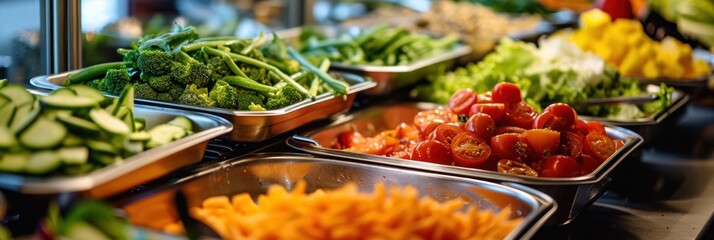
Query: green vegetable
point(224, 94)
point(513, 6)
point(194, 95)
point(93, 72)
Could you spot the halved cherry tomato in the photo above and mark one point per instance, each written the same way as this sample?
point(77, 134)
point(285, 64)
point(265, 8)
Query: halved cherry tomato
point(510, 146)
point(580, 127)
point(505, 92)
point(619, 143)
point(560, 166)
point(543, 142)
point(432, 151)
point(599, 146)
point(469, 150)
point(571, 144)
point(428, 129)
point(349, 138)
point(595, 127)
point(461, 101)
point(495, 110)
point(438, 115)
point(407, 131)
point(509, 129)
point(588, 164)
point(445, 133)
point(485, 97)
point(521, 115)
point(482, 125)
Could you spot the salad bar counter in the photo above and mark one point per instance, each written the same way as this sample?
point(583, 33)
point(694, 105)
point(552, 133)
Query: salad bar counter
point(406, 128)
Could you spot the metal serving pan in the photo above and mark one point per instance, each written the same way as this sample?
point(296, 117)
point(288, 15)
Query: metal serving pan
point(571, 194)
point(388, 78)
point(132, 171)
point(649, 126)
point(254, 174)
point(254, 126)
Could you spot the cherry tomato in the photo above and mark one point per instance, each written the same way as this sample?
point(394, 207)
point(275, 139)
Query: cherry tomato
point(509, 129)
point(596, 127)
point(619, 143)
point(485, 97)
point(349, 138)
point(407, 131)
point(461, 101)
point(521, 115)
point(588, 164)
point(510, 146)
point(560, 166)
point(495, 110)
point(432, 151)
point(599, 146)
point(469, 150)
point(543, 142)
point(428, 129)
point(564, 112)
point(505, 92)
point(515, 167)
point(571, 144)
point(438, 115)
point(445, 133)
point(482, 125)
point(580, 127)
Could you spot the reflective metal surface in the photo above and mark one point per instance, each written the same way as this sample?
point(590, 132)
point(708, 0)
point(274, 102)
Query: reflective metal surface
point(254, 174)
point(255, 126)
point(571, 194)
point(138, 169)
point(389, 78)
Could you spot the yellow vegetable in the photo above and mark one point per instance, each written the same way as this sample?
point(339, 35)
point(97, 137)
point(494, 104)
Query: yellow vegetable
point(595, 21)
point(651, 70)
point(631, 65)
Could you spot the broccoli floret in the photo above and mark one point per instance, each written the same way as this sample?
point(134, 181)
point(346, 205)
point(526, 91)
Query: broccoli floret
point(224, 94)
point(260, 75)
point(96, 83)
point(115, 80)
point(176, 91)
point(159, 83)
point(246, 98)
point(218, 67)
point(154, 62)
point(191, 71)
point(166, 97)
point(194, 95)
point(256, 107)
point(143, 90)
point(286, 95)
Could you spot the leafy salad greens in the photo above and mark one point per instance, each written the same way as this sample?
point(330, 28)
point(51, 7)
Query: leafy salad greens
point(557, 71)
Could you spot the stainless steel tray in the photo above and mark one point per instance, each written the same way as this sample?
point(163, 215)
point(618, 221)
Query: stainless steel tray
point(389, 78)
point(253, 174)
point(571, 194)
point(138, 169)
point(254, 126)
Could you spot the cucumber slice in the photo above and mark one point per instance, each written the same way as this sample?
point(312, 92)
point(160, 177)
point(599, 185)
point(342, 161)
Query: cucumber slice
point(73, 155)
point(20, 113)
point(164, 134)
point(103, 158)
point(17, 93)
point(102, 147)
point(14, 162)
point(22, 123)
point(126, 99)
point(141, 136)
point(87, 91)
point(72, 140)
point(129, 120)
point(183, 122)
point(43, 134)
point(122, 112)
point(4, 100)
point(43, 162)
point(69, 102)
point(7, 138)
point(132, 148)
point(79, 124)
point(107, 102)
point(108, 122)
point(53, 113)
point(6, 114)
point(3, 82)
point(78, 169)
point(64, 92)
point(139, 124)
